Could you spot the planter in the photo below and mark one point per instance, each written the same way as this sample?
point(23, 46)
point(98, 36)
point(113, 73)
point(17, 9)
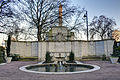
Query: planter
point(114, 59)
point(8, 60)
point(119, 59)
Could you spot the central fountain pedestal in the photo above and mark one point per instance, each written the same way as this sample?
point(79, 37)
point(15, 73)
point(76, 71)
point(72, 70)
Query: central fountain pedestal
point(59, 56)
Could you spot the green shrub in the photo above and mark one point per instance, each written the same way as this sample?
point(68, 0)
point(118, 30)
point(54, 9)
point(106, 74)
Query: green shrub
point(2, 54)
point(48, 57)
point(2, 49)
point(28, 59)
point(116, 50)
point(71, 57)
point(2, 57)
point(104, 57)
point(15, 57)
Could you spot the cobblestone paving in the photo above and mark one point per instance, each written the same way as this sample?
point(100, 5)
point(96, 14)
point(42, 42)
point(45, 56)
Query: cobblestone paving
point(108, 71)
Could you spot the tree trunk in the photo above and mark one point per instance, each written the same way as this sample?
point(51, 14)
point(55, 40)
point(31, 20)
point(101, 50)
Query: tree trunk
point(101, 37)
point(39, 34)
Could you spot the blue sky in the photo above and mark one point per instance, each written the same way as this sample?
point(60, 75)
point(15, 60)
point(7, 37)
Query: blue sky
point(109, 8)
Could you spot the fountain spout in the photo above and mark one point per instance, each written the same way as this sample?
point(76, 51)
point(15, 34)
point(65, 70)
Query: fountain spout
point(60, 63)
point(60, 66)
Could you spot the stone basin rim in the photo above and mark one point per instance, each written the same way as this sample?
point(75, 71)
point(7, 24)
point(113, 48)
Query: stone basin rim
point(23, 68)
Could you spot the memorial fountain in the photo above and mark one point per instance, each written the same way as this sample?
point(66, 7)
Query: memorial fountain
point(60, 68)
point(60, 64)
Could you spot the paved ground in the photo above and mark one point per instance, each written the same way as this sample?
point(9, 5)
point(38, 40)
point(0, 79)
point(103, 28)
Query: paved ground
point(108, 71)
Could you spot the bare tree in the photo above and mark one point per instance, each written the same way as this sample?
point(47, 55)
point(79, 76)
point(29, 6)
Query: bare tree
point(4, 8)
point(12, 27)
point(101, 26)
point(8, 23)
point(42, 14)
point(5, 11)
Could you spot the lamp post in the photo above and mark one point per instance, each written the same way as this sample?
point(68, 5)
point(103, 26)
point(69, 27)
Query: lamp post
point(86, 16)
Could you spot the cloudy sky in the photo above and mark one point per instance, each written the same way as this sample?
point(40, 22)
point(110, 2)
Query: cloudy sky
point(109, 8)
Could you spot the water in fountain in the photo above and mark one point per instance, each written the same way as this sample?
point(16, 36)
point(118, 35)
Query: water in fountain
point(60, 66)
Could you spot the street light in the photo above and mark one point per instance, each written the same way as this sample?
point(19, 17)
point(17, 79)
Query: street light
point(86, 16)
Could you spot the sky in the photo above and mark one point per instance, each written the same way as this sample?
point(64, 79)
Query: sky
point(109, 8)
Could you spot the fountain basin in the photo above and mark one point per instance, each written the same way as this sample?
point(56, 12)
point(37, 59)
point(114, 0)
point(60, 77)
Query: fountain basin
point(56, 69)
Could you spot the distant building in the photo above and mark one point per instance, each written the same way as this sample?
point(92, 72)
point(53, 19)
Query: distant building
point(116, 35)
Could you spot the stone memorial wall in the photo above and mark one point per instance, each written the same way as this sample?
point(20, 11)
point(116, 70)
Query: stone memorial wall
point(79, 48)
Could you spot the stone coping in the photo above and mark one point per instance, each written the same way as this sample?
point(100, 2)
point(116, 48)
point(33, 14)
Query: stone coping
point(65, 41)
point(23, 68)
point(3, 63)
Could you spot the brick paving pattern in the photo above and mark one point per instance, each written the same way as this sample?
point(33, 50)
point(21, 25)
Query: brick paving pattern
point(108, 71)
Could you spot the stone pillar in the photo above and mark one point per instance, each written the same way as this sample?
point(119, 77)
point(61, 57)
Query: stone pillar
point(60, 15)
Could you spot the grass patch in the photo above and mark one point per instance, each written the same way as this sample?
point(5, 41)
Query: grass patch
point(28, 59)
point(93, 58)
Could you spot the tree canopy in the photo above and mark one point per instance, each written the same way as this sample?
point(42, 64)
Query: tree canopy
point(8, 23)
point(101, 26)
point(43, 14)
